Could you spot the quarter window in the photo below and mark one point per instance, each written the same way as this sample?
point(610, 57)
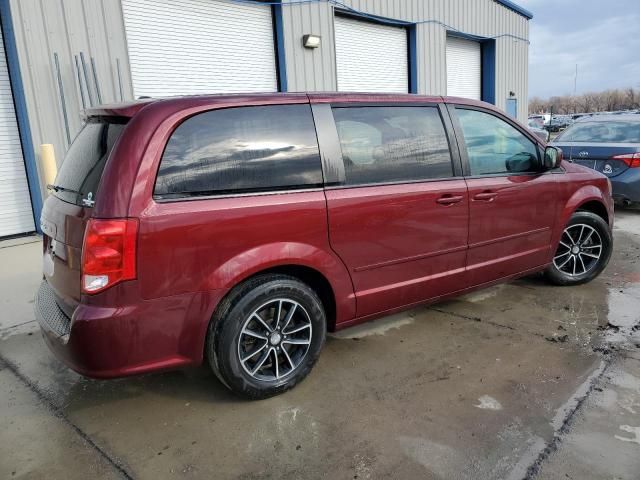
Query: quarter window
point(392, 144)
point(494, 146)
point(244, 149)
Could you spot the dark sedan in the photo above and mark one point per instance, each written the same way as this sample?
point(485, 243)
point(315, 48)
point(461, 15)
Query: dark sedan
point(611, 145)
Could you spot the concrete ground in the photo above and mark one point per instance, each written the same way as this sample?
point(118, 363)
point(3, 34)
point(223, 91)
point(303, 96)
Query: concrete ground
point(523, 380)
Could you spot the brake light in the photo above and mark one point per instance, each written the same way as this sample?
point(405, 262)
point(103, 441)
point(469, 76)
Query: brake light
point(108, 253)
point(631, 159)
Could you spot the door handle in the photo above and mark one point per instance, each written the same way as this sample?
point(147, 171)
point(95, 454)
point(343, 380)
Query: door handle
point(449, 199)
point(485, 196)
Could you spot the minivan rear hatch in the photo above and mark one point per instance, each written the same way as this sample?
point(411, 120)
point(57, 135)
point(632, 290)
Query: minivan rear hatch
point(69, 206)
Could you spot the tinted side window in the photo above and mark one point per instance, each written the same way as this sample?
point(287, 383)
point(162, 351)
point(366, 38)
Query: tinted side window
point(390, 144)
point(494, 146)
point(242, 149)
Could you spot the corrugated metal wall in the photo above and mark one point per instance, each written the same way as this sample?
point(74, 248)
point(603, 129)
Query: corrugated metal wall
point(96, 28)
point(67, 27)
point(315, 69)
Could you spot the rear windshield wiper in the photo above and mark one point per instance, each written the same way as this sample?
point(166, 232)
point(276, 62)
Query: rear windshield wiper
point(58, 188)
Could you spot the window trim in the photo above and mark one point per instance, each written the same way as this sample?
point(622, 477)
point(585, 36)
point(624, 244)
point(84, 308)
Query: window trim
point(206, 195)
point(462, 146)
point(333, 163)
point(194, 198)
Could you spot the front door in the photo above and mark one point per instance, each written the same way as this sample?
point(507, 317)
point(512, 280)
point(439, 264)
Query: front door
point(512, 203)
point(398, 219)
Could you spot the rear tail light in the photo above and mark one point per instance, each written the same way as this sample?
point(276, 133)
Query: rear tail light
point(108, 253)
point(631, 159)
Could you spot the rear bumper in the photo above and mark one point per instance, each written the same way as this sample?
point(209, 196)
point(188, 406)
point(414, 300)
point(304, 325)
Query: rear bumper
point(626, 186)
point(110, 342)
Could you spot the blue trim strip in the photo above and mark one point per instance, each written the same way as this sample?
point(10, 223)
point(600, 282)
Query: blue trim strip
point(488, 53)
point(413, 58)
point(516, 8)
point(466, 36)
point(346, 11)
point(280, 51)
point(21, 111)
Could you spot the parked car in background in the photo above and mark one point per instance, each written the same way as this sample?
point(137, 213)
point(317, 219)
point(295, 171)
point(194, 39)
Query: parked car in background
point(540, 118)
point(555, 125)
point(609, 144)
point(538, 130)
point(238, 229)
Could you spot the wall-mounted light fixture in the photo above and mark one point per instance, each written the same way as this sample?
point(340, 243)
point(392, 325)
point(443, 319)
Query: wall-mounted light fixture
point(512, 94)
point(311, 41)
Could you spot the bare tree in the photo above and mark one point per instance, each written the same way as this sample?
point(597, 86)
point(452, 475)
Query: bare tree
point(608, 100)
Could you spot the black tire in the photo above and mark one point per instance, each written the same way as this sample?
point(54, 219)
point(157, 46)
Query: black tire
point(558, 276)
point(224, 345)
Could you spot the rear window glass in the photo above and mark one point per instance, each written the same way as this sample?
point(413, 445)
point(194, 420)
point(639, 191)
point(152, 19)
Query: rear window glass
point(602, 132)
point(243, 149)
point(78, 178)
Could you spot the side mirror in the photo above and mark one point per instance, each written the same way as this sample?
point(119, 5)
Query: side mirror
point(552, 158)
point(521, 162)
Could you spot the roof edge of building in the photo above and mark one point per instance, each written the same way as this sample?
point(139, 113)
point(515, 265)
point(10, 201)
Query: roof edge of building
point(516, 8)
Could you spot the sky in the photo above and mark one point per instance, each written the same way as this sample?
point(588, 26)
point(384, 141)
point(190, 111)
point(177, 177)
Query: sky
point(601, 36)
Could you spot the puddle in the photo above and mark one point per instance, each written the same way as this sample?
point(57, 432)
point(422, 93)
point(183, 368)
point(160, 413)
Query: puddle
point(376, 327)
point(482, 295)
point(622, 329)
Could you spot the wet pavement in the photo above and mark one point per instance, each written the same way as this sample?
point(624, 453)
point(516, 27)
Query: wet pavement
point(522, 380)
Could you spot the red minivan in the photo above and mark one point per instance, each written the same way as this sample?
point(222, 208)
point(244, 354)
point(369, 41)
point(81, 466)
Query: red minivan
point(241, 228)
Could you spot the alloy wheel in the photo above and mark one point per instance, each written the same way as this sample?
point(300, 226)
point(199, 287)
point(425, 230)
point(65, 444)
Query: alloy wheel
point(579, 250)
point(274, 339)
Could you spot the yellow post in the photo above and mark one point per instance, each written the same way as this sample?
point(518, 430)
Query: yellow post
point(48, 165)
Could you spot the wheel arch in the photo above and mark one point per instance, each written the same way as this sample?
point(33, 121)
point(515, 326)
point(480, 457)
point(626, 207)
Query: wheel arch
point(311, 277)
point(319, 268)
point(588, 198)
point(594, 206)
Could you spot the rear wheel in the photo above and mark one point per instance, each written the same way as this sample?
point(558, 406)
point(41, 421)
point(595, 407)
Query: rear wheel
point(583, 252)
point(266, 336)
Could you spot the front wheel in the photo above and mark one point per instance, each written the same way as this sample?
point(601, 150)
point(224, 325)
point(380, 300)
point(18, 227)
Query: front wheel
point(583, 252)
point(266, 336)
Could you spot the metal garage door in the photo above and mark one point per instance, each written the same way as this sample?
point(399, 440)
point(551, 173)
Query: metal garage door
point(463, 68)
point(16, 215)
point(181, 47)
point(371, 57)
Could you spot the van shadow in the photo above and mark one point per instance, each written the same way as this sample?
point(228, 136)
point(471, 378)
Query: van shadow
point(197, 384)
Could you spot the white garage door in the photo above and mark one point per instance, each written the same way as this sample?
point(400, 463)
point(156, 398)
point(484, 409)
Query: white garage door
point(16, 215)
point(371, 57)
point(187, 47)
point(463, 68)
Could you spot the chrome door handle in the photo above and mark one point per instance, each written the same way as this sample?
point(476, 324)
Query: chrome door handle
point(449, 199)
point(485, 196)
